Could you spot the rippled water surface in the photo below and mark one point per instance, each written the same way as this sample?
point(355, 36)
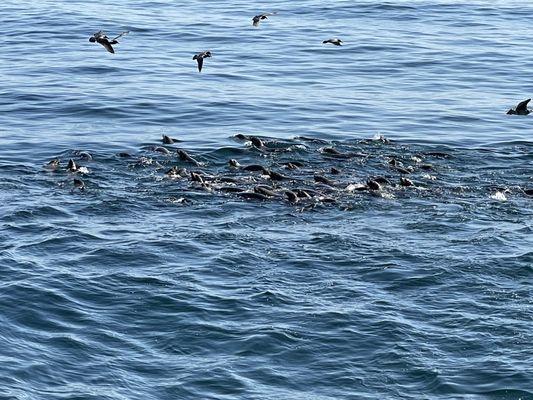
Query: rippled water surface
point(151, 285)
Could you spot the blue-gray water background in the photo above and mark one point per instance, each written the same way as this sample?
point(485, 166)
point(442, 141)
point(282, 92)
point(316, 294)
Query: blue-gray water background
point(118, 292)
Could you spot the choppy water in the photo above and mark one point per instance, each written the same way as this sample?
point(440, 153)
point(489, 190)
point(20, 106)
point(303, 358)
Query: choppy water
point(124, 291)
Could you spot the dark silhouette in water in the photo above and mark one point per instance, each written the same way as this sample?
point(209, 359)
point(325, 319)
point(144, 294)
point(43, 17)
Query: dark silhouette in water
point(79, 184)
point(101, 38)
point(169, 140)
point(520, 109)
point(200, 58)
point(335, 41)
point(258, 18)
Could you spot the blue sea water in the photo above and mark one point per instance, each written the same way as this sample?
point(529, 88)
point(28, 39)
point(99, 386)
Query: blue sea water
point(126, 291)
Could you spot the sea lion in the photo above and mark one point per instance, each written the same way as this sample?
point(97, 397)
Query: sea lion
point(230, 189)
point(101, 38)
point(324, 180)
point(79, 184)
point(381, 180)
point(275, 176)
point(84, 155)
point(184, 156)
point(196, 177)
point(162, 150)
point(255, 168)
point(176, 172)
point(332, 152)
point(291, 196)
point(72, 166)
point(406, 182)
point(327, 200)
point(240, 136)
point(252, 196)
point(356, 187)
point(200, 58)
point(144, 161)
point(53, 164)
point(394, 162)
point(234, 163)
point(168, 140)
point(373, 185)
point(256, 142)
point(265, 190)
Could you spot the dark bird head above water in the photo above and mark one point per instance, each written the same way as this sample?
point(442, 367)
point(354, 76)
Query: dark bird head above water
point(200, 58)
point(520, 109)
point(101, 38)
point(335, 41)
point(258, 18)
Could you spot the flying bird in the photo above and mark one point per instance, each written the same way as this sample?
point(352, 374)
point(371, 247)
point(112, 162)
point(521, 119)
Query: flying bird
point(200, 58)
point(260, 17)
point(335, 41)
point(101, 38)
point(520, 109)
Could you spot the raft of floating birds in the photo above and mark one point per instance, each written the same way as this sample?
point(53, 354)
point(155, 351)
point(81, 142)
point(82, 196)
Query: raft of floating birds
point(265, 185)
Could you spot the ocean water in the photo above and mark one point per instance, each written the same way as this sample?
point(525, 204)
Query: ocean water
point(146, 286)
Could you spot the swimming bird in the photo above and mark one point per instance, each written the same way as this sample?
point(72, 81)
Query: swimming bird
point(200, 58)
point(260, 17)
point(101, 38)
point(520, 109)
point(335, 41)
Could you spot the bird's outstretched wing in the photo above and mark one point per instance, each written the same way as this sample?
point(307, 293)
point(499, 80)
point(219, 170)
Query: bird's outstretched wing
point(122, 34)
point(522, 106)
point(107, 45)
point(200, 61)
point(258, 18)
